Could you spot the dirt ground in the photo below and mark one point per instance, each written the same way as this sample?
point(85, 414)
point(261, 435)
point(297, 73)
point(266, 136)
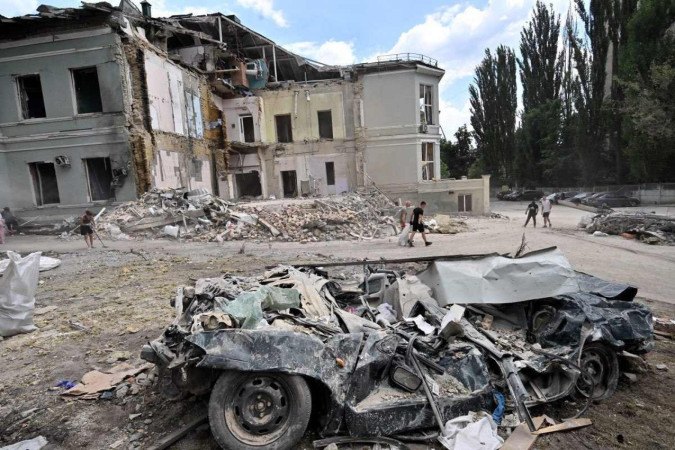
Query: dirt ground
point(122, 299)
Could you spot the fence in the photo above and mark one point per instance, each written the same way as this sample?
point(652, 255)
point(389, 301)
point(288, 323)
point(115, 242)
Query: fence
point(648, 194)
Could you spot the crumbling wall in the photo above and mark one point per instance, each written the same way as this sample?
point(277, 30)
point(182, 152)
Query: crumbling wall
point(172, 153)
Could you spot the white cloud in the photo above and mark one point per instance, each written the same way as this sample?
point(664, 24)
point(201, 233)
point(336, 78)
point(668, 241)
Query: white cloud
point(330, 52)
point(13, 8)
point(266, 9)
point(457, 36)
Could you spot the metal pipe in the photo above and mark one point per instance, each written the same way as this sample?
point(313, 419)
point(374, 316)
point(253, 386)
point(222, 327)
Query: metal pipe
point(220, 29)
point(274, 58)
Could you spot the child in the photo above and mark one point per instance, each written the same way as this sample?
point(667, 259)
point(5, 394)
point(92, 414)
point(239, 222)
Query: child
point(87, 228)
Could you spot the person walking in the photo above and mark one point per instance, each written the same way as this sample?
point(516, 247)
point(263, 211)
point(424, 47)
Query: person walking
point(416, 225)
point(11, 222)
point(87, 228)
point(531, 211)
point(546, 210)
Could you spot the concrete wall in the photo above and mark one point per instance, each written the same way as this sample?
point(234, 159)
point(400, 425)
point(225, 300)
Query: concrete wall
point(173, 169)
point(62, 131)
point(391, 118)
point(234, 108)
point(442, 196)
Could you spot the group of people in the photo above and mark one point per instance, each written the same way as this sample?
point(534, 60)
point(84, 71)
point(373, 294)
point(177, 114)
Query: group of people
point(411, 223)
point(8, 224)
point(533, 209)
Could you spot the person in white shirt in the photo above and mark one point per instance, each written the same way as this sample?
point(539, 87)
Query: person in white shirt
point(546, 210)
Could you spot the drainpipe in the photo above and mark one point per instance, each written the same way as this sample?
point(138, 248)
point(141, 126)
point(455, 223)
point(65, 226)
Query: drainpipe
point(220, 30)
point(295, 104)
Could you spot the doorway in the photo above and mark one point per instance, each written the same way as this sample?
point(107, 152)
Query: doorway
point(44, 183)
point(289, 181)
point(99, 176)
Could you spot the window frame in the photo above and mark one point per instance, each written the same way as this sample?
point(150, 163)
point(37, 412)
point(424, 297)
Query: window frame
point(242, 132)
point(426, 109)
point(19, 96)
point(290, 127)
point(330, 174)
point(330, 116)
point(73, 84)
point(428, 165)
point(461, 202)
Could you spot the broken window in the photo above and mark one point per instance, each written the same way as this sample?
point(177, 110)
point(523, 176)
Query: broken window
point(330, 173)
point(289, 180)
point(30, 96)
point(99, 176)
point(44, 183)
point(246, 129)
point(87, 91)
point(284, 129)
point(197, 169)
point(427, 161)
point(426, 105)
point(194, 115)
point(248, 184)
point(464, 203)
point(325, 124)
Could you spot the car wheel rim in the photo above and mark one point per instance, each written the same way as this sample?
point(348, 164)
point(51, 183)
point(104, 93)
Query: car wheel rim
point(258, 410)
point(596, 365)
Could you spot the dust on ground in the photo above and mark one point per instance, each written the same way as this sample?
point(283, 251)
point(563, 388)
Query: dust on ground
point(122, 301)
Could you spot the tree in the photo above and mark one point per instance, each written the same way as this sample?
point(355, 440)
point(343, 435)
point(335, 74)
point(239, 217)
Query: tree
point(458, 156)
point(493, 99)
point(647, 80)
point(540, 67)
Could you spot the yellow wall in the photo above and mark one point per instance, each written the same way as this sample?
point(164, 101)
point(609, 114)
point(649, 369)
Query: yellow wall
point(306, 123)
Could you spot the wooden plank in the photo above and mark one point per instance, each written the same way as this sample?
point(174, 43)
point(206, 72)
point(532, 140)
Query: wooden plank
point(572, 424)
point(521, 438)
point(173, 437)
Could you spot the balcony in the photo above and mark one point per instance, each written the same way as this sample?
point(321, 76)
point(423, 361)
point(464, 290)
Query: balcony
point(408, 57)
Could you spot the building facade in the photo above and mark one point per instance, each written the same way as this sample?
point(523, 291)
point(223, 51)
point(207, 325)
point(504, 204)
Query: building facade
point(105, 103)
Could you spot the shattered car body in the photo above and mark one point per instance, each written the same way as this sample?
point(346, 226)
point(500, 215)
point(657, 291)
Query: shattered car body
point(291, 344)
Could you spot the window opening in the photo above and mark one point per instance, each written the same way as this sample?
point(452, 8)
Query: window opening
point(427, 161)
point(246, 129)
point(44, 183)
point(330, 173)
point(325, 124)
point(87, 91)
point(30, 96)
point(284, 128)
point(426, 105)
point(99, 177)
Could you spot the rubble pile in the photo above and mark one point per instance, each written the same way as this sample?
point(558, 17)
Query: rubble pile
point(200, 216)
point(648, 228)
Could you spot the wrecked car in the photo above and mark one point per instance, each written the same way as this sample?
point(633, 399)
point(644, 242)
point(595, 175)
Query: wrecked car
point(418, 349)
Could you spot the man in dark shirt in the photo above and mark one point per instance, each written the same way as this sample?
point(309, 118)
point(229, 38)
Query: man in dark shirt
point(417, 225)
point(531, 211)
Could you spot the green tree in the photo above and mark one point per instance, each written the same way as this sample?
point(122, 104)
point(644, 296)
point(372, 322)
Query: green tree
point(540, 67)
point(457, 156)
point(493, 99)
point(647, 81)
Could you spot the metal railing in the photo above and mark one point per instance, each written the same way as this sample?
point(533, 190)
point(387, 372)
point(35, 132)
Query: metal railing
point(408, 57)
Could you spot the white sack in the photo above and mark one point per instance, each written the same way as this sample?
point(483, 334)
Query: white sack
point(403, 237)
point(46, 263)
point(471, 432)
point(17, 294)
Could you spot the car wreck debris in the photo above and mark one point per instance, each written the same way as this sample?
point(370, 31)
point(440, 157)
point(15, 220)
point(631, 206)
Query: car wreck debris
point(648, 228)
point(273, 349)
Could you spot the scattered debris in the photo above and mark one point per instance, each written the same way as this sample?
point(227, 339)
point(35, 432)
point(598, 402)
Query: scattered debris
point(522, 438)
point(661, 367)
point(566, 425)
point(96, 381)
point(648, 228)
point(200, 216)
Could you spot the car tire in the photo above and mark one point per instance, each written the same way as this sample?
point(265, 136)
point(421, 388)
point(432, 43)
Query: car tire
point(255, 411)
point(601, 363)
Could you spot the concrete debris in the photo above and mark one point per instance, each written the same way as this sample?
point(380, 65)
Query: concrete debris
point(31, 444)
point(176, 213)
point(381, 365)
point(648, 228)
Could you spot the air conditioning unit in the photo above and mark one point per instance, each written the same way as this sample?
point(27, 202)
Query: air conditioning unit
point(62, 161)
point(424, 128)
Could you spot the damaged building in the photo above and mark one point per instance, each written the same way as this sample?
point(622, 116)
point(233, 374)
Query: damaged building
point(104, 103)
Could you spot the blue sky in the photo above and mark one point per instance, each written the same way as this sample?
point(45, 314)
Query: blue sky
point(455, 33)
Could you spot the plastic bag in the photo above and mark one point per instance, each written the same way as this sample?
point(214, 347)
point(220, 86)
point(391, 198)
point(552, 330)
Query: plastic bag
point(17, 294)
point(471, 431)
point(403, 237)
